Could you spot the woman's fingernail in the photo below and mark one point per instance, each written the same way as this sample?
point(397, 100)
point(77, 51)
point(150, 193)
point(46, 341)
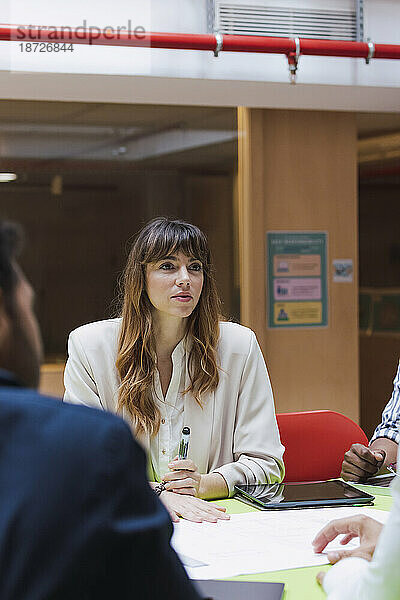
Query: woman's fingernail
point(333, 556)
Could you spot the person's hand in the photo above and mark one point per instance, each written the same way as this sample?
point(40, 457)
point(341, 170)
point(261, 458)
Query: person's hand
point(183, 478)
point(361, 526)
point(320, 577)
point(192, 509)
point(361, 462)
point(365, 528)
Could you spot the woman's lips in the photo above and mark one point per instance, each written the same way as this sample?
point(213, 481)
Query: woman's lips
point(182, 298)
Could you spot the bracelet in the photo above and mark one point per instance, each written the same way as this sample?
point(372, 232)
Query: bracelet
point(159, 488)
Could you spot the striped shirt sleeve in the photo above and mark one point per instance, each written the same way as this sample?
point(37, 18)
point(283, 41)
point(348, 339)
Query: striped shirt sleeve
point(389, 427)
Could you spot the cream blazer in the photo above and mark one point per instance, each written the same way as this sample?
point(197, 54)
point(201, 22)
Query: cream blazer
point(234, 433)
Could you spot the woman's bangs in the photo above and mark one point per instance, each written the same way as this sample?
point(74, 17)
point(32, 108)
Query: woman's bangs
point(175, 238)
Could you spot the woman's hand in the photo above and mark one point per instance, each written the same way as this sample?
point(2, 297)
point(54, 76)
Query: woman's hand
point(183, 478)
point(365, 528)
point(192, 509)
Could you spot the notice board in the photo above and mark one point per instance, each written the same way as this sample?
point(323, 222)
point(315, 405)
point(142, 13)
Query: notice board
point(297, 294)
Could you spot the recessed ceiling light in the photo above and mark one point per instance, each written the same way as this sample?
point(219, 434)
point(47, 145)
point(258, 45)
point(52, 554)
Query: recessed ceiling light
point(4, 177)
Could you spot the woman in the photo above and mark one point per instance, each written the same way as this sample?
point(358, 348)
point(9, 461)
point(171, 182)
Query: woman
point(170, 362)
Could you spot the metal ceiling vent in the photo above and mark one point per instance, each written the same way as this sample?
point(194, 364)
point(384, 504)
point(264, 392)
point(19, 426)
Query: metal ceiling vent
point(261, 18)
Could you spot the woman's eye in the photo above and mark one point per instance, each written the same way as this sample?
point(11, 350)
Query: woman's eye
point(196, 267)
point(166, 266)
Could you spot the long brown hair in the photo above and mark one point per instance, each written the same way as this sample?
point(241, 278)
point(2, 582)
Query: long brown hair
point(136, 359)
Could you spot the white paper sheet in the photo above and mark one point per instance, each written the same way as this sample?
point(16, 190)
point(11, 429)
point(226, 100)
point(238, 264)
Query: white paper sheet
point(259, 541)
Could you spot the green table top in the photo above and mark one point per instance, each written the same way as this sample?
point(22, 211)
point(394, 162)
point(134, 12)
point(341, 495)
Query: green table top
point(300, 584)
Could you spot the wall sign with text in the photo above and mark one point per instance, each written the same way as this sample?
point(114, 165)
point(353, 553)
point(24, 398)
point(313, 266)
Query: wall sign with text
point(297, 293)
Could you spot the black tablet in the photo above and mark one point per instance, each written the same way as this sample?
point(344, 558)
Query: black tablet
point(302, 495)
point(380, 480)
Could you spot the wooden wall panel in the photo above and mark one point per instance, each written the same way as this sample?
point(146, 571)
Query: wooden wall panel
point(297, 171)
point(77, 243)
point(209, 205)
point(52, 380)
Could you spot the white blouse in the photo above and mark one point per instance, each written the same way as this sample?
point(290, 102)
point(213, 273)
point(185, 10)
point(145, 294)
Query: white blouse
point(164, 446)
point(233, 432)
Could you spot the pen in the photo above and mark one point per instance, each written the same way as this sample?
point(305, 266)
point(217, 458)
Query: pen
point(184, 443)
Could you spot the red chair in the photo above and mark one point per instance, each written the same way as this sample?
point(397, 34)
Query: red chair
point(315, 443)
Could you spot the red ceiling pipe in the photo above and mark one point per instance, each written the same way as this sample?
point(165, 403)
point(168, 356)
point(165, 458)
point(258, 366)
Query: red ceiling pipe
point(310, 47)
point(182, 41)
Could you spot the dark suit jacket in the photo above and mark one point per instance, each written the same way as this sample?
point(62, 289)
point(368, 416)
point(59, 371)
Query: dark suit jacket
point(78, 519)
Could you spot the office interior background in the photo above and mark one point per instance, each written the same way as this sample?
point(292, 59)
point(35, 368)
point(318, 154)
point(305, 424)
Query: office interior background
point(105, 139)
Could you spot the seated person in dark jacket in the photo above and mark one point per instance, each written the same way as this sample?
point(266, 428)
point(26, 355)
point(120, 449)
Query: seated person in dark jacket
point(78, 520)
